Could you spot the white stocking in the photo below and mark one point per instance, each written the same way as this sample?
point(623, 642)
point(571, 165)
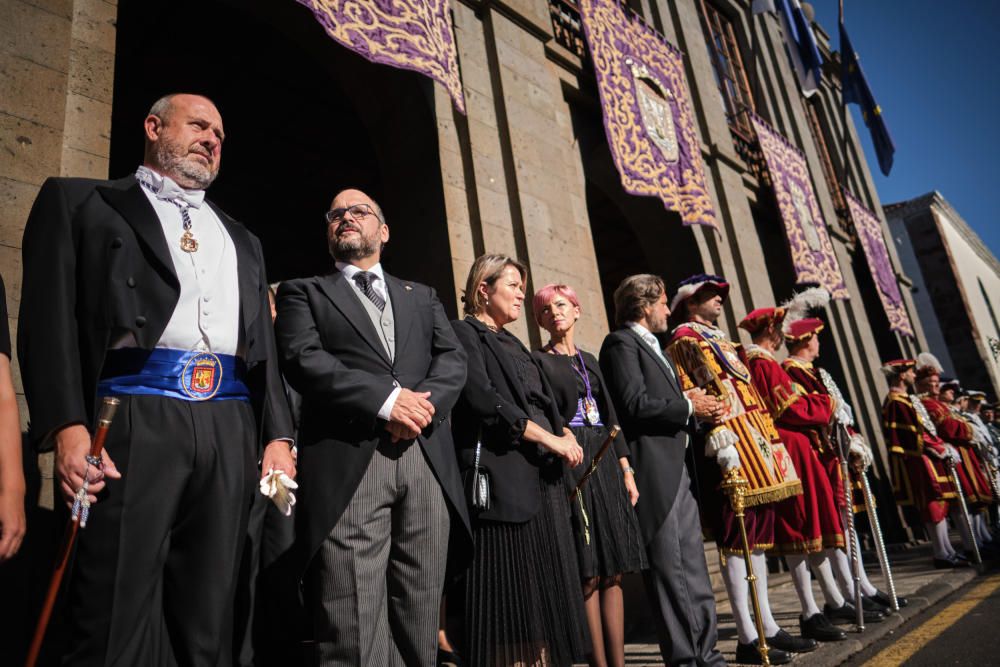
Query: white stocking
point(734, 574)
point(824, 575)
point(979, 525)
point(803, 585)
point(959, 519)
point(760, 570)
point(845, 577)
point(938, 532)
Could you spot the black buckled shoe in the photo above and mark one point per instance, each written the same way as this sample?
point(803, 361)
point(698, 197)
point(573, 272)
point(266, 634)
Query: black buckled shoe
point(820, 628)
point(786, 642)
point(950, 563)
point(883, 600)
point(847, 614)
point(747, 654)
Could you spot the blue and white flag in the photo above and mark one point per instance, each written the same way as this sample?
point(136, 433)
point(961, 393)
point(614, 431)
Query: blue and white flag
point(799, 40)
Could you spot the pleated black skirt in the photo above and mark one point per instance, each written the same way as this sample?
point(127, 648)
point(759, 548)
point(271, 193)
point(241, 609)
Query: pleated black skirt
point(524, 604)
point(605, 525)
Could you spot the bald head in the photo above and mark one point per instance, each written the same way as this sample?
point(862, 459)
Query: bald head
point(184, 136)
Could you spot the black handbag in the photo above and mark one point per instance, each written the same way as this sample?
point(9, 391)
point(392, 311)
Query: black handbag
point(477, 483)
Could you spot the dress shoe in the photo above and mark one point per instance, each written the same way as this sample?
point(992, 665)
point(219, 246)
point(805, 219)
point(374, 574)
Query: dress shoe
point(846, 613)
point(949, 563)
point(820, 628)
point(870, 605)
point(786, 642)
point(885, 601)
point(747, 654)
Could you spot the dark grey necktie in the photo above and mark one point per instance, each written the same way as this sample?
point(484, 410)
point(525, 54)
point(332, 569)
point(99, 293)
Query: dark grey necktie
point(364, 279)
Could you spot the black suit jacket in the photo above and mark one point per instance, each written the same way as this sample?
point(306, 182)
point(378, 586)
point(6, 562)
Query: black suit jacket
point(654, 416)
point(494, 407)
point(96, 264)
point(563, 380)
point(332, 355)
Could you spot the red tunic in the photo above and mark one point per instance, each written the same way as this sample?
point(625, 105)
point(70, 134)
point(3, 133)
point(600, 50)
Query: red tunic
point(806, 379)
point(810, 522)
point(918, 479)
point(957, 432)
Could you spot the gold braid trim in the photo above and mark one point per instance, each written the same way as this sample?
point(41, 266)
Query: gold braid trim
point(773, 494)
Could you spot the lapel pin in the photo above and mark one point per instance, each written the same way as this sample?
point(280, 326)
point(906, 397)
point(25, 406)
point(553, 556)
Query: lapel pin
point(408, 288)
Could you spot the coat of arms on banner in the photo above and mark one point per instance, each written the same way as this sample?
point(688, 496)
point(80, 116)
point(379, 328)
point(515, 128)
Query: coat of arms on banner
point(647, 116)
point(808, 240)
point(873, 243)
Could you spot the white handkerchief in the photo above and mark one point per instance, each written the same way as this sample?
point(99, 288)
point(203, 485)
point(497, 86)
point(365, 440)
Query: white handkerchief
point(278, 486)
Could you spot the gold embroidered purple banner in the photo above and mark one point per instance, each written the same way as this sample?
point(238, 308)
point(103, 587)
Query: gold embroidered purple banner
point(647, 116)
point(873, 243)
point(408, 34)
point(812, 252)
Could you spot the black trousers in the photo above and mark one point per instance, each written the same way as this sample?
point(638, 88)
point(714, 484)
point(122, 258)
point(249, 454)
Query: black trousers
point(155, 570)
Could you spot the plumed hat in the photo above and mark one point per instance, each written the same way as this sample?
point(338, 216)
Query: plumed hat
point(688, 287)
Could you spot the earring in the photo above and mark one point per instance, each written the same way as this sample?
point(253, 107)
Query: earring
point(487, 301)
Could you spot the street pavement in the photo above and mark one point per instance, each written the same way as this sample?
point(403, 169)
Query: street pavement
point(915, 578)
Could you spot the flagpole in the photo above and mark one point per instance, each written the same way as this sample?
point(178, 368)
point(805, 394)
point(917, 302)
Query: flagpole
point(846, 165)
point(754, 47)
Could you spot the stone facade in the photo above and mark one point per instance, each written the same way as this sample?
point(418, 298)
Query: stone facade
point(526, 172)
point(960, 287)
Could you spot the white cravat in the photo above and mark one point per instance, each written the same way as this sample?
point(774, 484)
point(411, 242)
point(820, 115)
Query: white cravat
point(378, 284)
point(207, 314)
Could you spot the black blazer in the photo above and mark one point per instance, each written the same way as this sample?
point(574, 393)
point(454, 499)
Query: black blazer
point(654, 416)
point(96, 263)
point(563, 380)
point(493, 403)
point(332, 356)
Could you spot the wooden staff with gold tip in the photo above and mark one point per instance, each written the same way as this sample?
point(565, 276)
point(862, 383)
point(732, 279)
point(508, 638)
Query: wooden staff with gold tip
point(735, 486)
point(78, 520)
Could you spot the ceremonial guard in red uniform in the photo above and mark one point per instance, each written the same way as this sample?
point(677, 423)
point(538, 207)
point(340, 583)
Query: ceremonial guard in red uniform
point(743, 438)
point(957, 432)
point(919, 475)
point(808, 527)
point(802, 341)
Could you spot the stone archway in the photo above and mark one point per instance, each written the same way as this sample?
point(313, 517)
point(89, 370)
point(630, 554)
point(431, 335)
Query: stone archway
point(304, 118)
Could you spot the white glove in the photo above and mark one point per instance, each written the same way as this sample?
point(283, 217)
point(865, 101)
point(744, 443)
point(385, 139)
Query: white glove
point(953, 453)
point(728, 458)
point(859, 448)
point(278, 486)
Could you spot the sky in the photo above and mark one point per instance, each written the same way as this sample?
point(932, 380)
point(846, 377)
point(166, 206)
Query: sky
point(934, 67)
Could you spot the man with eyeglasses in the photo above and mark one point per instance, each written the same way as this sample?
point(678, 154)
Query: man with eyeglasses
point(379, 369)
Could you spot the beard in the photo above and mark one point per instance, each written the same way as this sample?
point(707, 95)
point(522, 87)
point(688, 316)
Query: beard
point(176, 162)
point(349, 249)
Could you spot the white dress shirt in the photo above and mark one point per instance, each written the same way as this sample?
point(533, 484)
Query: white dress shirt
point(207, 314)
point(647, 336)
point(378, 284)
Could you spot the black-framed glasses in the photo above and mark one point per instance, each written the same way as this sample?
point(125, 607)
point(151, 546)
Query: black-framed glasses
point(356, 211)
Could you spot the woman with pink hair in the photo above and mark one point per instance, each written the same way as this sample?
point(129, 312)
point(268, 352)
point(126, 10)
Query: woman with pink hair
point(608, 539)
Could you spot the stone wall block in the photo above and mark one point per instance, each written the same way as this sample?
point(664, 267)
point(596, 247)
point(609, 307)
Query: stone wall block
point(16, 199)
point(35, 34)
point(10, 260)
point(88, 125)
point(83, 164)
point(91, 71)
point(30, 90)
point(29, 152)
point(94, 23)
